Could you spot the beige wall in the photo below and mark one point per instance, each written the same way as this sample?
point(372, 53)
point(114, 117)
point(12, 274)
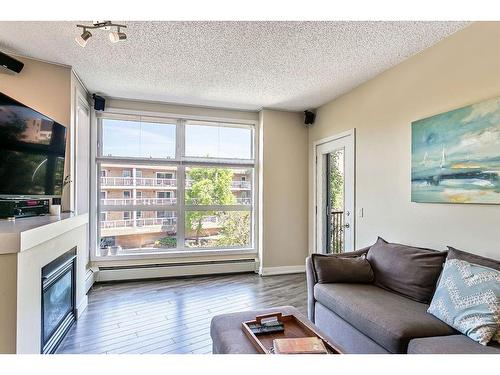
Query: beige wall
point(42, 86)
point(283, 142)
point(461, 70)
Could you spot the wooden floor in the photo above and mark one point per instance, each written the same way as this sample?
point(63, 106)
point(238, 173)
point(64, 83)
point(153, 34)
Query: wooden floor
point(173, 315)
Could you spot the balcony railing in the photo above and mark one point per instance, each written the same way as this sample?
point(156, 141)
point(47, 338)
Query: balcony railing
point(138, 181)
point(156, 201)
point(168, 222)
point(138, 201)
point(245, 185)
point(245, 201)
point(160, 182)
point(238, 201)
point(336, 232)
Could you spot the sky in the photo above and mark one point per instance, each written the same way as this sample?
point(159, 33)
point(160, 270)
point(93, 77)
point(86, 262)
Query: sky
point(153, 140)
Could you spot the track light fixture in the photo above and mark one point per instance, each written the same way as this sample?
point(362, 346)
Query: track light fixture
point(114, 36)
point(82, 39)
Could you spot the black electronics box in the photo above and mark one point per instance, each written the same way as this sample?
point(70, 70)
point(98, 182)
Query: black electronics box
point(16, 207)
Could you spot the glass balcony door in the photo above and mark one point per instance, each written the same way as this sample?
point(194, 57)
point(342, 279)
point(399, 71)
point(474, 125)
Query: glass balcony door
point(334, 219)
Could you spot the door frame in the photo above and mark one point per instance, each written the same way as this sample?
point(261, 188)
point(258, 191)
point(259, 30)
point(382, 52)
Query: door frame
point(317, 248)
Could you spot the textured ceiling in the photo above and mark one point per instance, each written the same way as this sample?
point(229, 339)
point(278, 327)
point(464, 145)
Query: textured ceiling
point(246, 65)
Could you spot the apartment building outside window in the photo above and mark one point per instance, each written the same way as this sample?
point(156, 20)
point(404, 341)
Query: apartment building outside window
point(174, 185)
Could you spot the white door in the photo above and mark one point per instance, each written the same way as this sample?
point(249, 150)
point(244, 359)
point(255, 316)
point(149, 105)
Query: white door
point(334, 194)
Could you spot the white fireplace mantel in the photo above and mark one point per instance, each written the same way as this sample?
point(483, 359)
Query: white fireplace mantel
point(26, 246)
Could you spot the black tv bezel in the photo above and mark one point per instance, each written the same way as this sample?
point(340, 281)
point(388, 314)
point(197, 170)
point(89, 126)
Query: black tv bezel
point(34, 146)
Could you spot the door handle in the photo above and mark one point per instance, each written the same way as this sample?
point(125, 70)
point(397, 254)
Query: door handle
point(347, 225)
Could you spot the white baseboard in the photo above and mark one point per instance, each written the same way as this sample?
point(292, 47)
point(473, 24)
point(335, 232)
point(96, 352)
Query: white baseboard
point(269, 271)
point(90, 278)
point(81, 306)
point(162, 271)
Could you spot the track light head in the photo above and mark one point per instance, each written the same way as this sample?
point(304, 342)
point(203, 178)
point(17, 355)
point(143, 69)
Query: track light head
point(82, 39)
point(117, 36)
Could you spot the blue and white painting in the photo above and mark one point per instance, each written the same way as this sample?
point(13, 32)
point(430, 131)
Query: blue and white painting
point(456, 156)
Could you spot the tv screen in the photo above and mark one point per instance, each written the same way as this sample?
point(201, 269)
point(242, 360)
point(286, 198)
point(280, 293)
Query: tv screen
point(32, 149)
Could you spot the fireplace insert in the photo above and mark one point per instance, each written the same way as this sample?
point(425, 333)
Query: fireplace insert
point(58, 300)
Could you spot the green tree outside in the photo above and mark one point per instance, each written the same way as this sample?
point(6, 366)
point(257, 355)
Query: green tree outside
point(336, 182)
point(212, 186)
point(336, 192)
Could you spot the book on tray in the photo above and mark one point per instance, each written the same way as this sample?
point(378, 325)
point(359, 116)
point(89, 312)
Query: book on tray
point(305, 345)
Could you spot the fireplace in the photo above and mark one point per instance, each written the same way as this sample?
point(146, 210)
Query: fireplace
point(58, 300)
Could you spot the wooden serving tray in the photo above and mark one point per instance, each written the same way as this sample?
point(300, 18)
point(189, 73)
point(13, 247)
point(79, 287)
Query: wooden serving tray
point(294, 328)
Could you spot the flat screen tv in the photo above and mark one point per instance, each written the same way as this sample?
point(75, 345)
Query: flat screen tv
point(32, 149)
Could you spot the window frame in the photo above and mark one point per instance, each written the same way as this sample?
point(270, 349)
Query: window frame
point(180, 162)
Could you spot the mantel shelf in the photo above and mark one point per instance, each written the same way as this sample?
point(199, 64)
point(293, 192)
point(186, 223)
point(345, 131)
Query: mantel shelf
point(22, 234)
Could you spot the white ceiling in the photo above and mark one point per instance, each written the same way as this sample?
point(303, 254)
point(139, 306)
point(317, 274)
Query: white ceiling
point(245, 65)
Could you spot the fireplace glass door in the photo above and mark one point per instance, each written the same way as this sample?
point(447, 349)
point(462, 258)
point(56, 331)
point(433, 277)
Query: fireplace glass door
point(58, 300)
point(58, 303)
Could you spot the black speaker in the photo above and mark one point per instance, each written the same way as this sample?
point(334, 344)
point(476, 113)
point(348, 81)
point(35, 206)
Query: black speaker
point(99, 102)
point(309, 117)
point(10, 64)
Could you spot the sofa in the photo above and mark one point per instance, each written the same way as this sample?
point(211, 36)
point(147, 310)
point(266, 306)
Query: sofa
point(370, 318)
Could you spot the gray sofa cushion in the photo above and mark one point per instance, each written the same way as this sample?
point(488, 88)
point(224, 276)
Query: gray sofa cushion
point(454, 344)
point(389, 319)
point(341, 269)
point(410, 271)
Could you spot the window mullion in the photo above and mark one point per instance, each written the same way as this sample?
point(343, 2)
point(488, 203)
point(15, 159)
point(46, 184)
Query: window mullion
point(181, 176)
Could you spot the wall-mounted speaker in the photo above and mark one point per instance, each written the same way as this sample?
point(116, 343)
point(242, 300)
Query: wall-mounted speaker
point(309, 117)
point(10, 65)
point(99, 102)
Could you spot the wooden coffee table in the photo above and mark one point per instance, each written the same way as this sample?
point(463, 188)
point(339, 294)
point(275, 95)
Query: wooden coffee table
point(229, 337)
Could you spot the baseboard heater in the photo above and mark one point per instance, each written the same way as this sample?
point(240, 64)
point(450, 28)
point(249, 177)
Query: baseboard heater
point(163, 270)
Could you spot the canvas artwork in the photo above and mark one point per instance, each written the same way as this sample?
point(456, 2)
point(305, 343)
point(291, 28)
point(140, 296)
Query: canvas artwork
point(456, 156)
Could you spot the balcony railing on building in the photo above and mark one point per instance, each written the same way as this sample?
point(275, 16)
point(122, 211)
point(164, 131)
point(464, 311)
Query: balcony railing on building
point(168, 223)
point(138, 201)
point(157, 201)
point(237, 201)
point(244, 185)
point(138, 181)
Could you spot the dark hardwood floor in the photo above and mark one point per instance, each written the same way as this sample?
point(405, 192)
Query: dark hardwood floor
point(173, 315)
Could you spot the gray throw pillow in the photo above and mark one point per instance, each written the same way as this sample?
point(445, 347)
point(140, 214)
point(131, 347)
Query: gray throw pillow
point(341, 269)
point(407, 270)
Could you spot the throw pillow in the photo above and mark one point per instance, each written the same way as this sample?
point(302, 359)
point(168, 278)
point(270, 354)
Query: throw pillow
point(407, 270)
point(476, 259)
point(339, 269)
point(468, 299)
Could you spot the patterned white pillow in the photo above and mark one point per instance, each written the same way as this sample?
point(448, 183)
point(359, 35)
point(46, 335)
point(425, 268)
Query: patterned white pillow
point(468, 299)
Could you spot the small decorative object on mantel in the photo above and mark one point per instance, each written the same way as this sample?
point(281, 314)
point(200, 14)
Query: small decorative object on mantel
point(456, 156)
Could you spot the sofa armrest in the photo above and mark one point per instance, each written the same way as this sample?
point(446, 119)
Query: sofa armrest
point(311, 279)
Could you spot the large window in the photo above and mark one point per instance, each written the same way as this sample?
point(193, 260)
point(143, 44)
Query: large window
point(174, 186)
